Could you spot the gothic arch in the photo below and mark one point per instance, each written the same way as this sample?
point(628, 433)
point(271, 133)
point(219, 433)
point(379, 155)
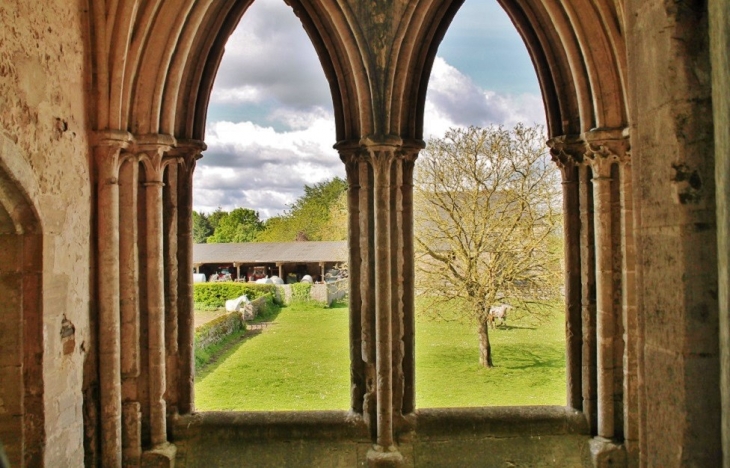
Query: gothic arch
point(154, 64)
point(21, 313)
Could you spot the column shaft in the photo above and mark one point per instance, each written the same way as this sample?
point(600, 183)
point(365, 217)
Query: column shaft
point(588, 296)
point(129, 281)
point(109, 295)
point(186, 322)
point(573, 319)
point(170, 219)
point(367, 283)
point(382, 161)
point(604, 301)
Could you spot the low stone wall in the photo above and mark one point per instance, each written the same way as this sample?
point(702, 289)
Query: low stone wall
point(542, 436)
point(251, 310)
point(217, 329)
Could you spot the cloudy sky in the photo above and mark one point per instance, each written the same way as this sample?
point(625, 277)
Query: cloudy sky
point(270, 123)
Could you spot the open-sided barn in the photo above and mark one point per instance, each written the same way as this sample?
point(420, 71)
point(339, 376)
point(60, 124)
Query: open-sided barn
point(288, 260)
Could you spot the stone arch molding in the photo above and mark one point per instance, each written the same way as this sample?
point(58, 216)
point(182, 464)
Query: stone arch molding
point(154, 63)
point(21, 312)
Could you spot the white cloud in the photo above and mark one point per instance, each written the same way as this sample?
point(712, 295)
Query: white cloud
point(269, 58)
point(271, 126)
point(257, 167)
point(454, 100)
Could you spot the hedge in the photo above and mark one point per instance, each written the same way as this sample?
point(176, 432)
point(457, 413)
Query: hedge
point(216, 294)
point(301, 292)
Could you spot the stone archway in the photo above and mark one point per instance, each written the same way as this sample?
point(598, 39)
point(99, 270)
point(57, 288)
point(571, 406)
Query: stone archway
point(21, 315)
point(154, 66)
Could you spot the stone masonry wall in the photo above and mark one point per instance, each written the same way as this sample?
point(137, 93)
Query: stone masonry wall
point(43, 102)
point(672, 155)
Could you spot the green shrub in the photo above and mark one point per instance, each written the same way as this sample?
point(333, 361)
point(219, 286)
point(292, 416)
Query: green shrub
point(301, 292)
point(216, 294)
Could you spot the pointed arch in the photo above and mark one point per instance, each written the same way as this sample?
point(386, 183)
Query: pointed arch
point(22, 428)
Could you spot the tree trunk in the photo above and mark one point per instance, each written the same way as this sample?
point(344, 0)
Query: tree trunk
point(485, 349)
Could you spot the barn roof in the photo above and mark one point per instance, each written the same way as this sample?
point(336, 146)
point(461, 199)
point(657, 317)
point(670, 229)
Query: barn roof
point(271, 252)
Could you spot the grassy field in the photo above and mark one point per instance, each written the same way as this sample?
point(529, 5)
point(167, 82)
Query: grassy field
point(301, 362)
point(529, 360)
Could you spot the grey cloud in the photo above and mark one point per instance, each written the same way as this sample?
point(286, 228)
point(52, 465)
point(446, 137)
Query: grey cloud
point(271, 52)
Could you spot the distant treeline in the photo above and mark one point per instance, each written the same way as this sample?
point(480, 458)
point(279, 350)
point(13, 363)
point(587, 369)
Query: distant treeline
point(318, 215)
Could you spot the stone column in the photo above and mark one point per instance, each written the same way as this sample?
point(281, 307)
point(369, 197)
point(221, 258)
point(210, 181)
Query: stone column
point(567, 152)
point(381, 159)
point(380, 175)
point(405, 360)
point(588, 295)
point(603, 150)
point(362, 351)
point(600, 163)
point(130, 326)
point(108, 158)
point(172, 274)
point(152, 154)
point(629, 314)
point(189, 151)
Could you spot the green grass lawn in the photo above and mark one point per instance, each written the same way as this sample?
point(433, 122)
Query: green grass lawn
point(301, 362)
point(529, 360)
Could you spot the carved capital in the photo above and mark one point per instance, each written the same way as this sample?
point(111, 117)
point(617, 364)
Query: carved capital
point(605, 147)
point(154, 152)
point(188, 152)
point(109, 153)
point(567, 152)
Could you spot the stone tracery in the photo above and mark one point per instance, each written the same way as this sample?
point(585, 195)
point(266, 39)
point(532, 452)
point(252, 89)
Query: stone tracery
point(152, 68)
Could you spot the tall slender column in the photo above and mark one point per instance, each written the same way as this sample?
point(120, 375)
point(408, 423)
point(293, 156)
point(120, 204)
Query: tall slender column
point(152, 157)
point(190, 153)
point(129, 281)
point(358, 260)
point(406, 278)
point(629, 315)
point(601, 166)
point(603, 151)
point(588, 295)
point(108, 157)
point(381, 159)
point(172, 273)
point(567, 153)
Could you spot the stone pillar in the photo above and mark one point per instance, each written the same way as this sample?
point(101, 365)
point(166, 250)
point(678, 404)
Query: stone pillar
point(588, 295)
point(172, 273)
point(362, 355)
point(381, 159)
point(152, 155)
point(108, 158)
point(281, 270)
point(630, 317)
point(600, 163)
point(604, 148)
point(403, 229)
point(130, 327)
point(189, 151)
point(380, 175)
point(567, 152)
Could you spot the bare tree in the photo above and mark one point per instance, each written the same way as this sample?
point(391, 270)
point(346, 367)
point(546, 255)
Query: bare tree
point(488, 223)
